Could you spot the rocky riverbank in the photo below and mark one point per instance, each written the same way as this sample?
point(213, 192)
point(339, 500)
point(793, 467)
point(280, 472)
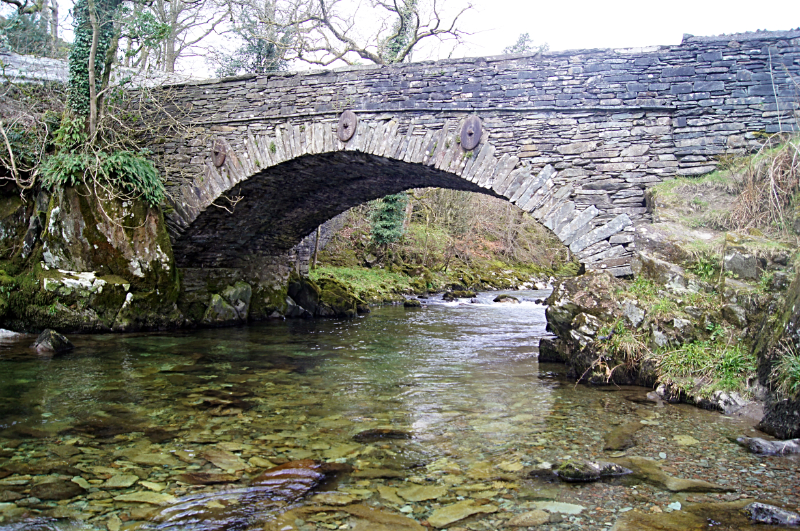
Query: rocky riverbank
point(710, 337)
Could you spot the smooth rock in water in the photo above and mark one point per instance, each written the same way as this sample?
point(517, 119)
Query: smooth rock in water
point(259, 462)
point(120, 481)
point(765, 447)
point(769, 514)
point(506, 299)
point(153, 498)
point(372, 519)
point(375, 473)
point(56, 490)
point(559, 507)
point(685, 440)
point(412, 303)
point(621, 437)
point(390, 494)
point(444, 516)
point(206, 478)
point(224, 459)
point(648, 470)
point(529, 519)
point(581, 471)
point(418, 493)
point(458, 294)
point(333, 498)
point(294, 479)
point(51, 341)
point(381, 433)
point(10, 496)
point(691, 517)
point(152, 459)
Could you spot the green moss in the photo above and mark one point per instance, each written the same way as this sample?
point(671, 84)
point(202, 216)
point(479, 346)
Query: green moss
point(370, 285)
point(336, 296)
point(266, 300)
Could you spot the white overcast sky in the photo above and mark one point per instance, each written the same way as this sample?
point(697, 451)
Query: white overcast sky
point(576, 24)
point(580, 24)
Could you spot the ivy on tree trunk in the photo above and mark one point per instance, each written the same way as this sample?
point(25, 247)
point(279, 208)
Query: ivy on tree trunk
point(94, 32)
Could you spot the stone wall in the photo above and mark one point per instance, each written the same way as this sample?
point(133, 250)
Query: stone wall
point(573, 137)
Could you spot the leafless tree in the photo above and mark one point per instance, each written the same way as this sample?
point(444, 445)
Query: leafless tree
point(349, 31)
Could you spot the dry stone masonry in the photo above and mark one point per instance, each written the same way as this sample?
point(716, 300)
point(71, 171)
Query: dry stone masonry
point(573, 137)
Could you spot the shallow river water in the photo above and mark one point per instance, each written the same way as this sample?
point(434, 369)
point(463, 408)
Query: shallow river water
point(115, 434)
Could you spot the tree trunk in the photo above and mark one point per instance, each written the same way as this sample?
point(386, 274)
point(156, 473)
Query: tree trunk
point(92, 73)
point(316, 246)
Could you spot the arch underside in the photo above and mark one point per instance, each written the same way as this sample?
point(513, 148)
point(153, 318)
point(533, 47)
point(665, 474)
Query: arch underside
point(271, 191)
point(272, 211)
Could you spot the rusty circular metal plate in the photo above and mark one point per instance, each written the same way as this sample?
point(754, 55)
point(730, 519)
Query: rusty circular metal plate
point(471, 133)
point(219, 152)
point(347, 125)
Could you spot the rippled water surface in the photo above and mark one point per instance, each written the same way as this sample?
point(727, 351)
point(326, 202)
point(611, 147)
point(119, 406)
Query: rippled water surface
point(113, 435)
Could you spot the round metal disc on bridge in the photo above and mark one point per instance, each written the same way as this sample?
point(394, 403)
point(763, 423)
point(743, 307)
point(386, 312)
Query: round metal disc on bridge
point(471, 133)
point(347, 125)
point(219, 152)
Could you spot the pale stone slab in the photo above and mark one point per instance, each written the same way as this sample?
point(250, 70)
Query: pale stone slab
point(417, 493)
point(121, 481)
point(444, 516)
point(153, 498)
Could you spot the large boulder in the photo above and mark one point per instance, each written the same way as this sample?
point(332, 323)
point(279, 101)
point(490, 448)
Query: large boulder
point(238, 296)
point(335, 300)
point(220, 313)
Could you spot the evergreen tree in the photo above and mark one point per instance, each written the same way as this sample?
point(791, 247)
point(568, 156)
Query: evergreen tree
point(388, 219)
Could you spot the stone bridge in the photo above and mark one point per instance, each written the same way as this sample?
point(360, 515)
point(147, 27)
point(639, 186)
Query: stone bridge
point(574, 138)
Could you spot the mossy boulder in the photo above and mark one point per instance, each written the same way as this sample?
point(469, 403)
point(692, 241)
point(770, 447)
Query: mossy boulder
point(458, 294)
point(220, 313)
point(335, 300)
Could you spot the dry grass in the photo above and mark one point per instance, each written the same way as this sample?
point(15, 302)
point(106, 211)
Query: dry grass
point(768, 189)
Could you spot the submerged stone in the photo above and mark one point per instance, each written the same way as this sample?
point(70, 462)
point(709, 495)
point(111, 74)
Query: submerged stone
point(769, 514)
point(381, 433)
point(444, 516)
point(56, 490)
point(765, 447)
point(224, 459)
point(621, 437)
point(421, 492)
point(581, 471)
point(295, 479)
point(504, 298)
point(649, 470)
point(530, 519)
point(206, 478)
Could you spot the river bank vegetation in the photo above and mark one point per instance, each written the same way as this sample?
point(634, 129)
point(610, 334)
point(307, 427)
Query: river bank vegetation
point(445, 240)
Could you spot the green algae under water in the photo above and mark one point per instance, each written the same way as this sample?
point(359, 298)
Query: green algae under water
point(116, 426)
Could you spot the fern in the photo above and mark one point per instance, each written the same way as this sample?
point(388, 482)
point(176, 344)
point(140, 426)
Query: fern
point(126, 171)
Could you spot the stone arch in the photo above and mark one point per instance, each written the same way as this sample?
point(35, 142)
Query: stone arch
point(209, 221)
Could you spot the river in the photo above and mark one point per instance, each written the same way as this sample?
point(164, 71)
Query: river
point(122, 427)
